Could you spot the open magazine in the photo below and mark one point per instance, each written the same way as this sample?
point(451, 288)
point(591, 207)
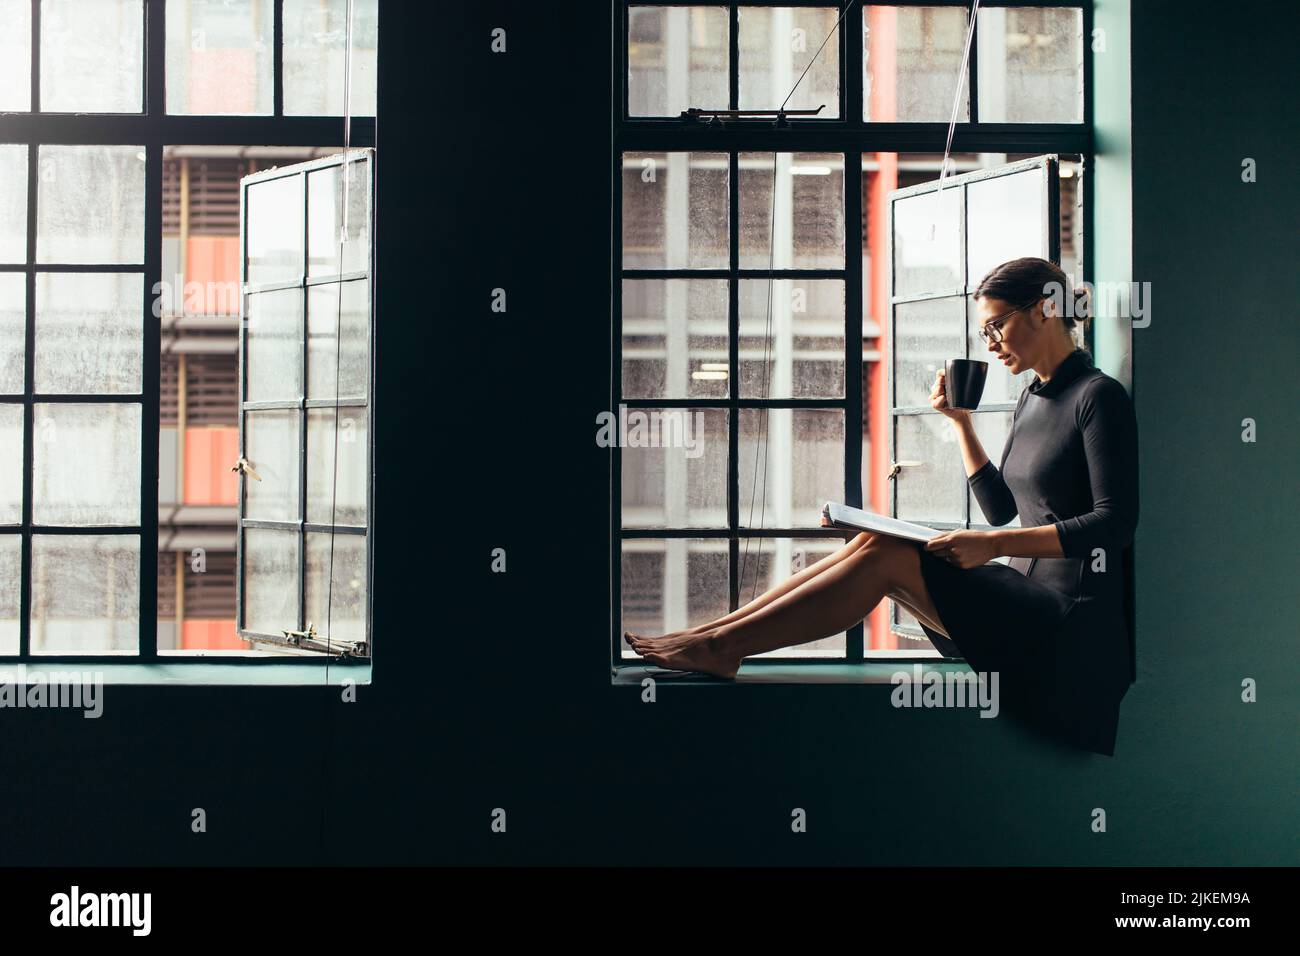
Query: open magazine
point(842, 516)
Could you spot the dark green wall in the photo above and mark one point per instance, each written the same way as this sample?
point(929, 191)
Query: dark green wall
point(493, 690)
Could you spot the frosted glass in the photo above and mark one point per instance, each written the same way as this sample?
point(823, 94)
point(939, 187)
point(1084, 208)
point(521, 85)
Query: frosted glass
point(930, 486)
point(15, 57)
point(85, 594)
point(323, 322)
point(992, 429)
point(13, 331)
point(804, 451)
point(271, 446)
point(86, 464)
point(13, 196)
point(927, 242)
point(274, 240)
point(273, 346)
point(346, 489)
point(809, 211)
point(11, 464)
point(10, 582)
point(674, 468)
point(927, 333)
point(675, 338)
point(1006, 219)
point(805, 351)
point(776, 45)
point(912, 59)
point(325, 220)
point(315, 33)
point(270, 583)
point(219, 57)
point(675, 210)
point(88, 332)
point(92, 56)
point(671, 584)
point(338, 613)
point(1030, 65)
point(677, 59)
point(90, 204)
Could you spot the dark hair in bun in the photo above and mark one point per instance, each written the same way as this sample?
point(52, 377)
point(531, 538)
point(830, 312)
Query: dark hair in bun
point(1025, 281)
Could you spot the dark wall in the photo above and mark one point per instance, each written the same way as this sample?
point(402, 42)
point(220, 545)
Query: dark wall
point(493, 690)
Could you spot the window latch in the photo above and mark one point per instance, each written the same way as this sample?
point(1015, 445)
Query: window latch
point(899, 466)
point(245, 467)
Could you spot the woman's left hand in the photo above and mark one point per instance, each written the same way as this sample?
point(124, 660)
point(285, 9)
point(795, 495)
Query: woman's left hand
point(966, 549)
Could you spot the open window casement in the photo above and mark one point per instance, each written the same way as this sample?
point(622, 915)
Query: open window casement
point(305, 374)
point(943, 242)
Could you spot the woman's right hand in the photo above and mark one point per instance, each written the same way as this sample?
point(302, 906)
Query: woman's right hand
point(939, 401)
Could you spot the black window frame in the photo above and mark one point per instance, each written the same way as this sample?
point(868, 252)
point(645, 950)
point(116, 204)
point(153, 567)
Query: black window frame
point(152, 129)
point(853, 137)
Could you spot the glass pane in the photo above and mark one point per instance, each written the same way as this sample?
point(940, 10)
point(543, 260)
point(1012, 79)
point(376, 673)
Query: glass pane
point(13, 331)
point(90, 204)
point(927, 242)
point(1000, 385)
point(802, 469)
point(674, 466)
point(772, 561)
point(271, 447)
point(85, 593)
point(92, 56)
point(273, 347)
point(275, 230)
point(341, 493)
point(776, 45)
point(677, 59)
point(670, 585)
point(809, 211)
point(11, 556)
point(15, 57)
point(324, 320)
point(803, 357)
point(1030, 65)
point(270, 582)
point(675, 210)
point(675, 338)
point(88, 332)
point(1006, 219)
point(992, 429)
point(339, 613)
point(219, 56)
point(912, 61)
point(930, 486)
point(325, 220)
point(11, 465)
point(315, 44)
point(86, 464)
point(13, 194)
point(927, 333)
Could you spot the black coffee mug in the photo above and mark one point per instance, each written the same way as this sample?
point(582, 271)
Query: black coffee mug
point(964, 382)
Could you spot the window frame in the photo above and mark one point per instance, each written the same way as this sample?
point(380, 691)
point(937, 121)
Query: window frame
point(853, 137)
point(152, 129)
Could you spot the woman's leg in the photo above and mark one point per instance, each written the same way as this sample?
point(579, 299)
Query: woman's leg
point(764, 599)
point(824, 605)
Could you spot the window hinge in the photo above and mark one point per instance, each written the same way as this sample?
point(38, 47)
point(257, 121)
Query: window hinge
point(297, 637)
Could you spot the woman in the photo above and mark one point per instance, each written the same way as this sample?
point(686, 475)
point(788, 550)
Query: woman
point(1051, 622)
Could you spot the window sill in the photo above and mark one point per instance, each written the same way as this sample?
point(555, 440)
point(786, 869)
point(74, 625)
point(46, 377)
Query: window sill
point(763, 672)
point(205, 674)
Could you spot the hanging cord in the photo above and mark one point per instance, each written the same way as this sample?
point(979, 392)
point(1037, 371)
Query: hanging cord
point(956, 105)
point(761, 452)
point(338, 361)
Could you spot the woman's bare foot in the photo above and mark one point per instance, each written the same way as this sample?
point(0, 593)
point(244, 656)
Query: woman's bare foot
point(702, 652)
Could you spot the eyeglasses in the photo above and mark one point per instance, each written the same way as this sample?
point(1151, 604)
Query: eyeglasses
point(991, 331)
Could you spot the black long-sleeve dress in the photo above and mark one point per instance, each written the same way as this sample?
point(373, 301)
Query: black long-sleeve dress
point(1053, 628)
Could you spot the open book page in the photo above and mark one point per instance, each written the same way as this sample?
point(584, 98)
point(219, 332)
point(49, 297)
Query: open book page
point(842, 516)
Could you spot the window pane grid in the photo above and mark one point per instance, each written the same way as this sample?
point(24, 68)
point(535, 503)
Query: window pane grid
point(51, 102)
